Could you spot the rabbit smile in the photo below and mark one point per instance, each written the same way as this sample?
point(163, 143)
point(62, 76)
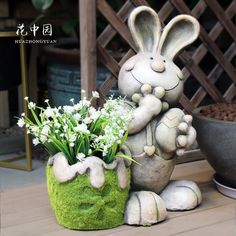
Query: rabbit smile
point(166, 89)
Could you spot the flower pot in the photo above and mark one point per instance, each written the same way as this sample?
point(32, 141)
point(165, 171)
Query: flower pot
point(63, 73)
point(217, 139)
point(92, 196)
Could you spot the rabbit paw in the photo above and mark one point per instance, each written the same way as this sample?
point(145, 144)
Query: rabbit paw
point(174, 132)
point(151, 98)
point(186, 134)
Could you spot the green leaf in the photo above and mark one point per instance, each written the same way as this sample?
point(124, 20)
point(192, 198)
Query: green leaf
point(120, 154)
point(42, 5)
point(124, 138)
point(69, 26)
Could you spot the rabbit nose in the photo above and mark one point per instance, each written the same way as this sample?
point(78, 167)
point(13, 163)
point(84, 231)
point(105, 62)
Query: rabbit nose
point(158, 66)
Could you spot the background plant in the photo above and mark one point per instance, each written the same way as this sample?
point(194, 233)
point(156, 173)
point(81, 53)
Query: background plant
point(80, 130)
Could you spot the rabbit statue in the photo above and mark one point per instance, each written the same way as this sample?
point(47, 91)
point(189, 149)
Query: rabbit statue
point(158, 133)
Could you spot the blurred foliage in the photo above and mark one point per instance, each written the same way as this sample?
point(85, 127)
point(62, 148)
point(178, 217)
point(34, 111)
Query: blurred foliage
point(65, 12)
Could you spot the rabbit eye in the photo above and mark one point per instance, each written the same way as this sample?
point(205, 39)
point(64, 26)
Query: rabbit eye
point(164, 61)
point(151, 58)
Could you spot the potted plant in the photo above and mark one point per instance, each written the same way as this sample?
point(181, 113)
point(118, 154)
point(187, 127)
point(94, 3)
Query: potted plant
point(216, 129)
point(63, 58)
point(88, 172)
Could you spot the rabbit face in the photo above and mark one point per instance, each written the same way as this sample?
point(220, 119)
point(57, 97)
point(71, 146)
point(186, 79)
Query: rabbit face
point(154, 64)
point(153, 69)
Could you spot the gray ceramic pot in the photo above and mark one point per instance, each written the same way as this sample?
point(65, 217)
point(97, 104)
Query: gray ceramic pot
point(217, 139)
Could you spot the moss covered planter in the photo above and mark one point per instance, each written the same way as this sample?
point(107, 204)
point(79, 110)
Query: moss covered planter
point(90, 194)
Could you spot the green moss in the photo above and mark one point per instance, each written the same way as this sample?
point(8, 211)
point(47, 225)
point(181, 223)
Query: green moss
point(77, 205)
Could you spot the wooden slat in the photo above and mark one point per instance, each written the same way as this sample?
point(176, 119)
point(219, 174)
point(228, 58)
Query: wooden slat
point(184, 101)
point(201, 77)
point(199, 9)
point(26, 211)
point(109, 32)
point(224, 20)
point(213, 76)
point(112, 80)
point(87, 12)
point(4, 110)
point(139, 3)
point(4, 8)
point(215, 51)
point(108, 60)
point(230, 94)
point(202, 50)
point(165, 11)
point(115, 21)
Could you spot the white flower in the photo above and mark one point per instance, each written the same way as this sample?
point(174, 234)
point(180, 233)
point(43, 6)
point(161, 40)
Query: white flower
point(95, 94)
point(90, 151)
point(77, 116)
point(58, 125)
point(72, 144)
point(31, 105)
point(62, 135)
point(48, 112)
point(92, 110)
point(77, 106)
point(23, 114)
point(35, 129)
point(46, 100)
point(21, 122)
point(82, 91)
point(71, 138)
point(65, 127)
point(26, 98)
point(80, 156)
point(85, 103)
point(68, 109)
point(72, 100)
point(35, 141)
point(81, 128)
point(95, 115)
point(43, 138)
point(87, 120)
point(45, 130)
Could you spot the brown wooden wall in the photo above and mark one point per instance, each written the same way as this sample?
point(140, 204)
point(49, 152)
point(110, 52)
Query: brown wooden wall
point(208, 65)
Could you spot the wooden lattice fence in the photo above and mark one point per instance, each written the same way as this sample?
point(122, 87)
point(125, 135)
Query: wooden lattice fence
point(208, 66)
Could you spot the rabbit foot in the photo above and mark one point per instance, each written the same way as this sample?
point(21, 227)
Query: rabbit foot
point(181, 195)
point(144, 208)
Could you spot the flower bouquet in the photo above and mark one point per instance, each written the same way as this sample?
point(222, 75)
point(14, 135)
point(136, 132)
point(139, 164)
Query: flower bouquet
point(88, 174)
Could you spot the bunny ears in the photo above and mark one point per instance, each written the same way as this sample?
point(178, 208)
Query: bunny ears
point(145, 28)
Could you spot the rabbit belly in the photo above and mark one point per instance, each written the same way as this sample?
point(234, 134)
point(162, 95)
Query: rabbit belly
point(154, 172)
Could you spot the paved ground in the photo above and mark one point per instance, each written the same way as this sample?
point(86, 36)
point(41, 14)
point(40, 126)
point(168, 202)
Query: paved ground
point(10, 179)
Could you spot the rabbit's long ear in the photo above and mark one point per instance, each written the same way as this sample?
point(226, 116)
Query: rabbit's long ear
point(145, 27)
point(177, 34)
